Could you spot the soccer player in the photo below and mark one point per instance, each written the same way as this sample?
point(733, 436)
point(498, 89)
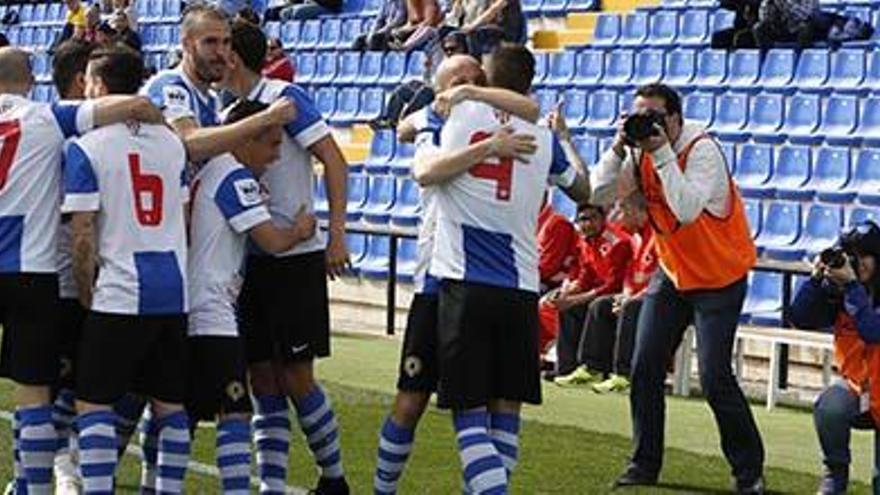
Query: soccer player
point(284, 306)
point(417, 376)
point(31, 139)
point(227, 207)
point(128, 219)
point(485, 255)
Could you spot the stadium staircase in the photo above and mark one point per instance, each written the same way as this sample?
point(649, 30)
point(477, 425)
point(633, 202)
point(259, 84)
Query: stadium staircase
point(800, 131)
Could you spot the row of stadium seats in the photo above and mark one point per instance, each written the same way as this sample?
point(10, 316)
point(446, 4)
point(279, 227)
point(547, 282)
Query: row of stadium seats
point(850, 70)
point(370, 254)
point(42, 14)
point(356, 68)
point(345, 106)
point(331, 33)
point(691, 28)
point(763, 303)
point(34, 38)
point(556, 8)
point(159, 37)
point(375, 199)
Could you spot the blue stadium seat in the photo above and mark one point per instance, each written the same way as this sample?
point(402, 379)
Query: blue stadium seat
point(380, 200)
point(407, 260)
point(765, 118)
point(563, 204)
point(531, 8)
point(832, 170)
point(406, 209)
point(375, 263)
point(546, 99)
point(401, 164)
point(778, 71)
point(371, 69)
point(306, 67)
point(290, 34)
point(415, 66)
point(839, 119)
point(171, 10)
point(331, 31)
point(663, 29)
point(754, 169)
point(602, 112)
point(40, 12)
point(309, 34)
point(679, 68)
point(561, 68)
point(729, 151)
point(781, 225)
point(272, 29)
point(319, 193)
point(802, 118)
point(393, 68)
point(351, 29)
point(357, 249)
point(872, 78)
point(347, 106)
point(625, 102)
point(371, 8)
point(869, 125)
point(793, 170)
point(848, 68)
point(821, 228)
point(763, 303)
point(866, 177)
point(753, 215)
point(326, 68)
point(381, 151)
point(553, 8)
point(607, 30)
point(590, 69)
point(55, 12)
point(587, 148)
point(861, 214)
point(349, 64)
point(694, 29)
point(722, 19)
point(667, 5)
point(634, 29)
point(325, 101)
point(540, 68)
point(711, 71)
point(648, 67)
point(731, 116)
point(812, 71)
point(574, 108)
point(371, 104)
point(619, 69)
point(357, 196)
point(581, 5)
point(700, 107)
point(744, 70)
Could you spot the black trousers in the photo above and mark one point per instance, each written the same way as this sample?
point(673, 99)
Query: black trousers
point(607, 339)
point(571, 325)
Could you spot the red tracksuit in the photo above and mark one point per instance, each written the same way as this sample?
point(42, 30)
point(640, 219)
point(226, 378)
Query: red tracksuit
point(557, 248)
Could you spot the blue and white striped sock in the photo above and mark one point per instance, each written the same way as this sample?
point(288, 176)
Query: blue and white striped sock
point(63, 417)
point(234, 455)
point(149, 439)
point(395, 444)
point(97, 451)
point(129, 410)
point(482, 465)
point(272, 437)
point(318, 423)
point(174, 444)
point(17, 471)
point(38, 442)
point(504, 431)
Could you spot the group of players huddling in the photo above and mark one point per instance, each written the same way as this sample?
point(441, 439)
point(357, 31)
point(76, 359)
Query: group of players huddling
point(159, 262)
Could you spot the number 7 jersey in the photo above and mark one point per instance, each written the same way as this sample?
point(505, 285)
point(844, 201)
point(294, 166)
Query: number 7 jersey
point(133, 178)
point(487, 217)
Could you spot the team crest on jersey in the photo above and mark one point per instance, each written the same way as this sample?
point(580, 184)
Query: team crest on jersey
point(175, 95)
point(235, 391)
point(412, 366)
point(248, 191)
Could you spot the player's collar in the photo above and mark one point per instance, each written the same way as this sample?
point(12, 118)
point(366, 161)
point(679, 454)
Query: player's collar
point(206, 98)
point(257, 91)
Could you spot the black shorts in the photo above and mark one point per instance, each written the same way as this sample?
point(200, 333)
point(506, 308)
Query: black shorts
point(29, 317)
point(217, 377)
point(119, 354)
point(488, 345)
point(73, 315)
point(284, 311)
point(418, 356)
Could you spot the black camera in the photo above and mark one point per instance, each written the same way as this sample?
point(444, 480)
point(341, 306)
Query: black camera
point(833, 257)
point(641, 125)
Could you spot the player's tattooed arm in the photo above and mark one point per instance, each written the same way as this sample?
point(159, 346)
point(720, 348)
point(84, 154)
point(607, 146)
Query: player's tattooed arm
point(502, 99)
point(273, 239)
point(84, 264)
point(114, 109)
point(336, 174)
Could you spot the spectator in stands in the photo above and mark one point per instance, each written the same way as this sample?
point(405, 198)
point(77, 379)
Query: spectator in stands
point(105, 34)
point(844, 295)
point(250, 15)
point(124, 33)
point(93, 20)
point(277, 64)
point(706, 250)
point(311, 9)
point(128, 8)
point(75, 22)
point(485, 23)
point(388, 21)
point(420, 30)
point(786, 21)
point(603, 254)
point(740, 35)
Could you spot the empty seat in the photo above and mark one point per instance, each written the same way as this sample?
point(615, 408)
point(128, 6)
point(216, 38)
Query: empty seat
point(540, 68)
point(840, 117)
point(590, 69)
point(765, 118)
point(754, 169)
point(729, 152)
point(700, 107)
point(607, 30)
point(763, 297)
point(694, 29)
point(821, 228)
point(357, 196)
point(546, 99)
point(778, 71)
point(306, 66)
point(731, 116)
point(831, 174)
point(531, 8)
point(347, 105)
point(744, 70)
point(371, 104)
point(781, 225)
point(563, 204)
point(290, 34)
point(349, 64)
point(866, 176)
point(649, 67)
point(415, 66)
point(325, 101)
point(812, 71)
point(407, 260)
point(601, 113)
point(309, 34)
point(401, 164)
point(634, 29)
point(663, 29)
point(872, 78)
point(722, 19)
point(625, 102)
point(380, 200)
point(351, 29)
point(861, 214)
point(272, 29)
point(331, 31)
point(793, 171)
point(561, 68)
point(326, 68)
point(375, 263)
point(711, 70)
point(371, 68)
point(802, 118)
point(381, 152)
point(581, 5)
point(587, 148)
point(618, 69)
point(574, 109)
point(869, 125)
point(393, 68)
point(357, 250)
point(752, 208)
point(679, 68)
point(552, 8)
point(848, 68)
point(406, 209)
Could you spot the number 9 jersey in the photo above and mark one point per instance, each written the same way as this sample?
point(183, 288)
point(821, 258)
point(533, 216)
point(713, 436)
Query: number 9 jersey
point(487, 216)
point(133, 178)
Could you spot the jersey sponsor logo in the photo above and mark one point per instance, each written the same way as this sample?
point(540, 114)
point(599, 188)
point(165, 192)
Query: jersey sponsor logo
point(248, 192)
point(296, 349)
point(175, 96)
point(412, 366)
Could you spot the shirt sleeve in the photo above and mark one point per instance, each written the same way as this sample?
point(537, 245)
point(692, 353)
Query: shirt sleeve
point(561, 172)
point(555, 249)
point(240, 201)
point(80, 181)
point(174, 100)
point(858, 305)
point(703, 186)
point(308, 127)
point(73, 117)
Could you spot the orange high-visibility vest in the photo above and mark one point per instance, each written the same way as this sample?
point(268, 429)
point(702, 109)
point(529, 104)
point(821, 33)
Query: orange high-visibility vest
point(708, 253)
point(857, 362)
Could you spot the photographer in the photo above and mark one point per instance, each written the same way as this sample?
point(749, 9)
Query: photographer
point(705, 249)
point(843, 294)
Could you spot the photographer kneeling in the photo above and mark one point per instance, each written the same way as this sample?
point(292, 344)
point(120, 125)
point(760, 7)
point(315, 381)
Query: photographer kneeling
point(705, 250)
point(843, 294)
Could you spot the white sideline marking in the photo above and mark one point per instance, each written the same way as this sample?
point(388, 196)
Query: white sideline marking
point(194, 466)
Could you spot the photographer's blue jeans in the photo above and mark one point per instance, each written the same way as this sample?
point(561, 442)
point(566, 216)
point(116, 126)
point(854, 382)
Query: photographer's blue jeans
point(835, 414)
point(665, 314)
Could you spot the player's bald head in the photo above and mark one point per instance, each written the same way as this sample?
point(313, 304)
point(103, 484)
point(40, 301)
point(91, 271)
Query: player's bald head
point(458, 69)
point(200, 17)
point(15, 70)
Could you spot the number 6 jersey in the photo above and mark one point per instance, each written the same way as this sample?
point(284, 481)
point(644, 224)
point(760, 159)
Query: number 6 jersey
point(133, 177)
point(487, 217)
